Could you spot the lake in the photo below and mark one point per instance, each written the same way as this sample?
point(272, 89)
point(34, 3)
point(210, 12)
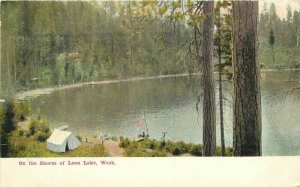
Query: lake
point(169, 105)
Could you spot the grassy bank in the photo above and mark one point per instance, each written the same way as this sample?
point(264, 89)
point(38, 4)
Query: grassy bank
point(155, 148)
point(25, 136)
point(284, 58)
point(22, 146)
point(29, 140)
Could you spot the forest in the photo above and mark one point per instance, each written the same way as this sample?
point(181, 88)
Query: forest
point(54, 43)
point(51, 44)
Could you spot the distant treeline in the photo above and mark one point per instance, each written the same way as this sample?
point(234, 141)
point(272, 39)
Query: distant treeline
point(54, 43)
point(286, 30)
point(281, 36)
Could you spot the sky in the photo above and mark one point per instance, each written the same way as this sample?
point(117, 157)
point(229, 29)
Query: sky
point(281, 6)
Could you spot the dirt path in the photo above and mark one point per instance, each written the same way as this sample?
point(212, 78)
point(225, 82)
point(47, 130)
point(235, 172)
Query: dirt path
point(113, 148)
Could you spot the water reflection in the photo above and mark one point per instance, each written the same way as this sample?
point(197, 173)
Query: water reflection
point(169, 106)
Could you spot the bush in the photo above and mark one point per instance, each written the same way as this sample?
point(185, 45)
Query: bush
point(22, 109)
point(154, 144)
point(229, 151)
point(28, 134)
point(45, 128)
point(184, 148)
point(177, 148)
point(170, 146)
point(33, 127)
point(124, 142)
point(196, 150)
point(114, 138)
point(2, 113)
point(16, 148)
point(151, 144)
point(41, 137)
point(159, 153)
point(162, 144)
point(21, 132)
point(177, 151)
point(218, 151)
point(8, 114)
point(31, 130)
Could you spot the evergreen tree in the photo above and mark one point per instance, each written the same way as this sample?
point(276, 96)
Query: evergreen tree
point(7, 125)
point(272, 42)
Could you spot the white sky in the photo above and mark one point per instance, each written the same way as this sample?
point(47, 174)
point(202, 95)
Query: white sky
point(281, 6)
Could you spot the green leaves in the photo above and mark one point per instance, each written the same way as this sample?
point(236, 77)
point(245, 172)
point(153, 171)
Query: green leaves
point(163, 9)
point(195, 19)
point(126, 38)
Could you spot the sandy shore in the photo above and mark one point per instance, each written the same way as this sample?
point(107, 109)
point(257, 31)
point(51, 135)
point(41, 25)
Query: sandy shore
point(44, 91)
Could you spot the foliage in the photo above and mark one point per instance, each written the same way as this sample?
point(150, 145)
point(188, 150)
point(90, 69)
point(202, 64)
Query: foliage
point(154, 148)
point(114, 138)
point(42, 136)
point(40, 128)
point(45, 128)
point(21, 132)
point(22, 109)
point(286, 33)
point(110, 40)
point(30, 147)
point(196, 150)
point(223, 23)
point(2, 112)
point(141, 149)
point(15, 144)
point(35, 146)
point(124, 142)
point(285, 57)
point(8, 123)
point(284, 30)
point(105, 41)
point(34, 126)
point(271, 38)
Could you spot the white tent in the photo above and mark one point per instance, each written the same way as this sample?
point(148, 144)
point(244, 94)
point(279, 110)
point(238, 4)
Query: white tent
point(62, 141)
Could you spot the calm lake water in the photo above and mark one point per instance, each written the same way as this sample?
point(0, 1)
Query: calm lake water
point(169, 105)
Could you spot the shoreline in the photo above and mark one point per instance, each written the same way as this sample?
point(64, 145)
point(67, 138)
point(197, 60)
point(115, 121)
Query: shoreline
point(45, 91)
point(48, 90)
point(276, 70)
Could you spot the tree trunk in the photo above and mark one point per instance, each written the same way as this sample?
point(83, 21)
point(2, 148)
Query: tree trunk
point(246, 80)
point(273, 57)
point(209, 108)
point(221, 97)
point(218, 17)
